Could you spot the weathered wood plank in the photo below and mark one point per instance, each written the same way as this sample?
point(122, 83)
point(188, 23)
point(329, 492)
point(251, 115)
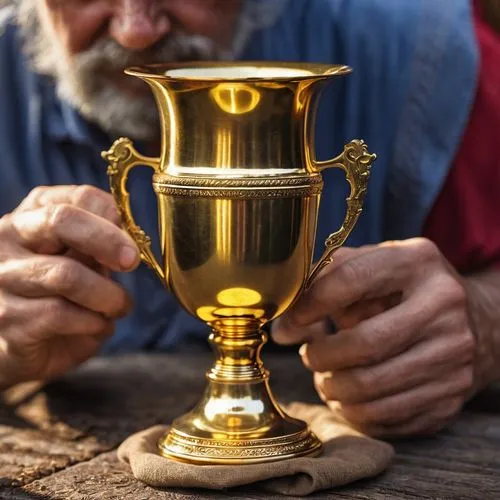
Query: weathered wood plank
point(97, 407)
point(54, 442)
point(105, 478)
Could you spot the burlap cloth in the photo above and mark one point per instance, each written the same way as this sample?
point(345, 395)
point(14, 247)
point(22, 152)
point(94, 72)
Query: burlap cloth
point(347, 457)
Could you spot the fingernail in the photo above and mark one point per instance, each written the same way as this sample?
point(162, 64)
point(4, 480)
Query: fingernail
point(128, 257)
point(303, 350)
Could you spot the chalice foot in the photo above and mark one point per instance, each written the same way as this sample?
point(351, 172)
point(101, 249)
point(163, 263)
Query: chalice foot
point(238, 421)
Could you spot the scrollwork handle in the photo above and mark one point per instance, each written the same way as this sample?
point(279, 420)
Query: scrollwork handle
point(122, 157)
point(356, 162)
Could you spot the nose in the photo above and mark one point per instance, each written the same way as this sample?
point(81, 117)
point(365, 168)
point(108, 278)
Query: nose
point(139, 24)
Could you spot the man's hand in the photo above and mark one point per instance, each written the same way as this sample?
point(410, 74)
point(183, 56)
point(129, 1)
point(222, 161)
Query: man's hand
point(57, 304)
point(402, 360)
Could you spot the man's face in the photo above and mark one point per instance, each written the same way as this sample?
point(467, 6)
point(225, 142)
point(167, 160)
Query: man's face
point(86, 45)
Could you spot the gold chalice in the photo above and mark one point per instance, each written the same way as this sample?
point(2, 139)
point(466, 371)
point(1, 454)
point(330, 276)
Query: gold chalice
point(238, 189)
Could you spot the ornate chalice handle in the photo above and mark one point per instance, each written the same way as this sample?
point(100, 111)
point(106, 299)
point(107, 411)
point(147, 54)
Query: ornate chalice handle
point(122, 157)
point(356, 162)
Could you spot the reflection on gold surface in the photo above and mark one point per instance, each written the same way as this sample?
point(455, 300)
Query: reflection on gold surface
point(238, 189)
point(223, 214)
point(235, 98)
point(226, 405)
point(223, 147)
point(211, 314)
point(240, 312)
point(239, 297)
point(205, 313)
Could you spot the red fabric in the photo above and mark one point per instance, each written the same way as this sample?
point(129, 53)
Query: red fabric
point(465, 220)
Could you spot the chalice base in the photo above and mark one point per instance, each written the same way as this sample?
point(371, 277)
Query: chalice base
point(244, 434)
point(238, 420)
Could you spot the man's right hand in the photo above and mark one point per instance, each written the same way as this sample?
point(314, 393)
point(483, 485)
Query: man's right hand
point(57, 303)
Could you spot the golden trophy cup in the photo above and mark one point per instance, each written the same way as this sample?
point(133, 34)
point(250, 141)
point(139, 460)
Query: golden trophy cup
point(238, 189)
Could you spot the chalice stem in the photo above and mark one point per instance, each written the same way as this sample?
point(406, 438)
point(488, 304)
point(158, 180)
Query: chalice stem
point(238, 421)
point(237, 347)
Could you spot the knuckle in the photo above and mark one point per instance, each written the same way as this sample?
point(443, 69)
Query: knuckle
point(36, 193)
point(58, 215)
point(426, 250)
point(86, 195)
point(96, 201)
point(63, 276)
point(453, 293)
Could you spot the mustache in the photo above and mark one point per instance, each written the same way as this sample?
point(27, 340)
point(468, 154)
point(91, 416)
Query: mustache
point(107, 54)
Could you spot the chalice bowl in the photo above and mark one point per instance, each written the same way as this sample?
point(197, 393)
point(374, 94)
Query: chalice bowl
point(238, 189)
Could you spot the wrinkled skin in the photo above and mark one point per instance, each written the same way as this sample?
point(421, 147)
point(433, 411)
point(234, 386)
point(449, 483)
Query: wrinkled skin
point(57, 303)
point(402, 360)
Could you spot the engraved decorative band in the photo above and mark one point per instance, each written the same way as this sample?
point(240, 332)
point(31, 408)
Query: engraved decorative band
point(238, 188)
point(237, 450)
point(259, 443)
point(243, 194)
point(162, 179)
point(237, 453)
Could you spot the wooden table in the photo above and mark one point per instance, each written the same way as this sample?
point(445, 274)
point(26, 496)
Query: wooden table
point(59, 442)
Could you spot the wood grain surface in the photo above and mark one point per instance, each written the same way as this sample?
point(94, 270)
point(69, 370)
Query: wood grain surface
point(59, 441)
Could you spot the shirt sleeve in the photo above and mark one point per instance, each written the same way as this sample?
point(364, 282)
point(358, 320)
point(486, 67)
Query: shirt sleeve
point(465, 219)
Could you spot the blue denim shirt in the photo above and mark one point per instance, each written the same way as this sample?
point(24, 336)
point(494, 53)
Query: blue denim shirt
point(415, 69)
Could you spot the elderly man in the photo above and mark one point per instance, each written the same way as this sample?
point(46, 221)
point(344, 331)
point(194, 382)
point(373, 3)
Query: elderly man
point(414, 337)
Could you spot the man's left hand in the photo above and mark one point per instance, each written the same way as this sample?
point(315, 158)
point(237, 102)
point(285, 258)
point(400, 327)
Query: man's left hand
point(402, 359)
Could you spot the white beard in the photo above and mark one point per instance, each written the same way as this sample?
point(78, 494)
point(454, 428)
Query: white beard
point(82, 81)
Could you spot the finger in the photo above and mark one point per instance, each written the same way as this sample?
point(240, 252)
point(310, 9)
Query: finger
point(400, 408)
point(52, 229)
point(390, 333)
point(426, 423)
point(27, 321)
point(88, 198)
point(83, 347)
point(86, 261)
point(285, 334)
point(385, 270)
point(46, 276)
point(365, 309)
point(344, 254)
point(425, 362)
point(71, 352)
